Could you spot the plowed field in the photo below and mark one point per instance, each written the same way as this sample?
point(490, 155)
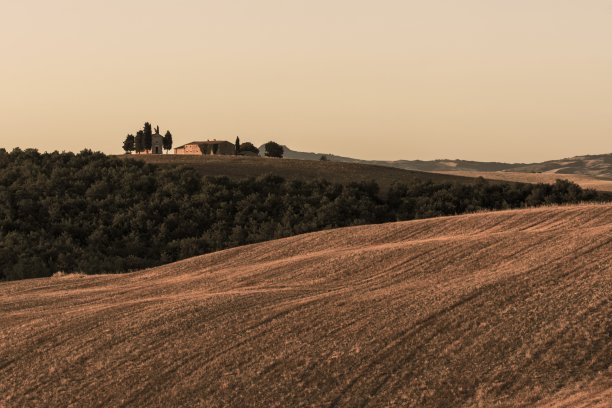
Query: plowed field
point(504, 308)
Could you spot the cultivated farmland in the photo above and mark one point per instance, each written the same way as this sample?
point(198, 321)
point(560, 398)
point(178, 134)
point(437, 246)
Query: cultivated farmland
point(508, 308)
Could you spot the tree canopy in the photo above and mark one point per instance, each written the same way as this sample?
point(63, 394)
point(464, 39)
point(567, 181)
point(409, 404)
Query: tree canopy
point(248, 147)
point(273, 149)
point(129, 144)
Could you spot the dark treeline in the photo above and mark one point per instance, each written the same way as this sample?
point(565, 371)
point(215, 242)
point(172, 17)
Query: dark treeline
point(93, 213)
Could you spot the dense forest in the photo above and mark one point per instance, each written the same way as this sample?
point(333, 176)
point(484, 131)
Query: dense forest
point(93, 213)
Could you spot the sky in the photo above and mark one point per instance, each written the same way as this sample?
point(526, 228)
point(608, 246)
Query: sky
point(488, 80)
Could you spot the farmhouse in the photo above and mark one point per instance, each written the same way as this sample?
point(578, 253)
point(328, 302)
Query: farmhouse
point(209, 147)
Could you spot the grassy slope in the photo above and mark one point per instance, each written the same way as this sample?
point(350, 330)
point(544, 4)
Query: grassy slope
point(343, 172)
point(243, 167)
point(508, 307)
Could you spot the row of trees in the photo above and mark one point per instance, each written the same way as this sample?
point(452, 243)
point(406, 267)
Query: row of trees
point(143, 140)
point(93, 213)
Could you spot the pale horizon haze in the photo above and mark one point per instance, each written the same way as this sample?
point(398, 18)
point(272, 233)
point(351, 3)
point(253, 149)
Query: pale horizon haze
point(487, 80)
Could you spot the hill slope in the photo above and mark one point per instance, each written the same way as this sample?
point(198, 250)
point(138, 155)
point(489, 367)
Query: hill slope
point(592, 165)
point(595, 166)
point(509, 307)
point(241, 167)
point(307, 166)
point(548, 178)
point(594, 171)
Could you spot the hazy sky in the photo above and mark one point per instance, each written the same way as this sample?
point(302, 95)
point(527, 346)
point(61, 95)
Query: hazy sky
point(506, 80)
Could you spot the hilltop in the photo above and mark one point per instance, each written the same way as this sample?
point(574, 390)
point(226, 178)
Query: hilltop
point(508, 307)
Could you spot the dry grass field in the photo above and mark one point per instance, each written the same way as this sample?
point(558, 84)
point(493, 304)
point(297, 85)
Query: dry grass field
point(582, 180)
point(343, 172)
point(506, 308)
point(241, 167)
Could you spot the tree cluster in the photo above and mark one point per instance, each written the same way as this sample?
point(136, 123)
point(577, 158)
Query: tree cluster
point(93, 213)
point(246, 147)
point(143, 141)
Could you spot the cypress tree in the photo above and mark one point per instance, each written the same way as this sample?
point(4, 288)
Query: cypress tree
point(237, 149)
point(167, 142)
point(148, 136)
point(139, 141)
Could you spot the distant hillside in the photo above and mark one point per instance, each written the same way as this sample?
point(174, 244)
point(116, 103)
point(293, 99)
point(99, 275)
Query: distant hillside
point(501, 309)
point(597, 166)
point(419, 165)
point(293, 154)
point(594, 165)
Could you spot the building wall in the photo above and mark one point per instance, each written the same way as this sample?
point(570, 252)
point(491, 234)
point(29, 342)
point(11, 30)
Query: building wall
point(157, 145)
point(188, 149)
point(227, 148)
point(223, 148)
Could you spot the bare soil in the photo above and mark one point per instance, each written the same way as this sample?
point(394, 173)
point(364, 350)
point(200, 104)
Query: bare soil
point(506, 308)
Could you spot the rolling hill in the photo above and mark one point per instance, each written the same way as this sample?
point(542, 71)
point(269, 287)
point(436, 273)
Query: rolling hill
point(595, 166)
point(548, 178)
point(418, 165)
point(591, 171)
point(504, 308)
point(594, 172)
point(339, 172)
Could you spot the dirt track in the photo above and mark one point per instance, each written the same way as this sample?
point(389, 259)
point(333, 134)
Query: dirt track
point(509, 307)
